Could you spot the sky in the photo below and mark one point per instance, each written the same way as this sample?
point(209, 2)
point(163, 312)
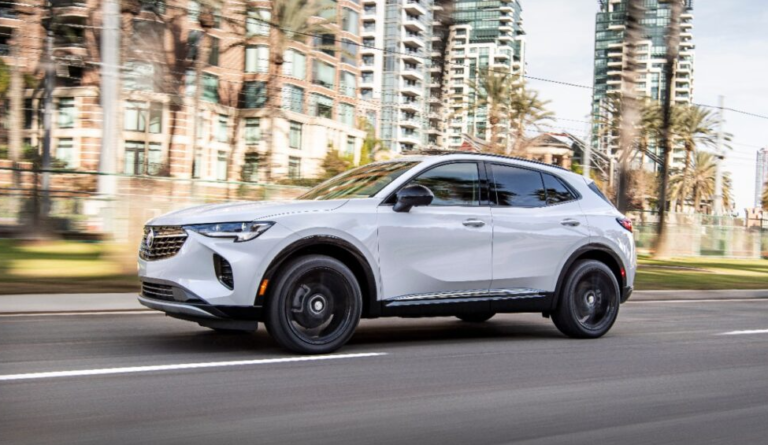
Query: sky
point(731, 59)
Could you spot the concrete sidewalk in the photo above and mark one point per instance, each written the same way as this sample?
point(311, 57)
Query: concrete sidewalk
point(31, 304)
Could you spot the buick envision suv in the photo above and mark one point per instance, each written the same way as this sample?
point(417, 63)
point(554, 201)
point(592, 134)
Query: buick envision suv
point(464, 235)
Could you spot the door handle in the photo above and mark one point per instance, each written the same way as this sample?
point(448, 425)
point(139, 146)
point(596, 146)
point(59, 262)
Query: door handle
point(570, 222)
point(472, 222)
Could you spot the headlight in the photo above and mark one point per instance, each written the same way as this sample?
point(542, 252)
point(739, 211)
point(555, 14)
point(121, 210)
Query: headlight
point(239, 231)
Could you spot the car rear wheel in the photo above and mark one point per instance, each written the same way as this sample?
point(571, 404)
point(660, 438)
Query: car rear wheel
point(315, 306)
point(480, 317)
point(589, 302)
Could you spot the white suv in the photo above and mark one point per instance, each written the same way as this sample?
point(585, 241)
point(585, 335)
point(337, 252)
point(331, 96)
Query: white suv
point(463, 235)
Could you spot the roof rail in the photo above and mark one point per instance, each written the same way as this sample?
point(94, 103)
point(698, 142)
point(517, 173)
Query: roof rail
point(435, 152)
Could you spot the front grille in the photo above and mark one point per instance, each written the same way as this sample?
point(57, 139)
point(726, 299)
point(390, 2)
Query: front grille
point(157, 291)
point(224, 272)
point(161, 242)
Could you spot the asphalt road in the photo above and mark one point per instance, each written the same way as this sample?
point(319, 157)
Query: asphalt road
point(665, 374)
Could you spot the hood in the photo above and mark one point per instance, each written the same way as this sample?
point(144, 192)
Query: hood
point(244, 211)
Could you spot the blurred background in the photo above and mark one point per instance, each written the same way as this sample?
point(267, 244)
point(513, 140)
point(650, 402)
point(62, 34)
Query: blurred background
point(116, 112)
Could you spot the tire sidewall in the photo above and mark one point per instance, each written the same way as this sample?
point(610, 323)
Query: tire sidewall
point(277, 321)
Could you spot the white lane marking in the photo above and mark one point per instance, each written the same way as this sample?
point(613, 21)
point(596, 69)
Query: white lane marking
point(134, 369)
point(710, 300)
point(69, 314)
point(754, 331)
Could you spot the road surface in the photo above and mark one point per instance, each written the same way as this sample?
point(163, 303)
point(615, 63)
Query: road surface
point(669, 372)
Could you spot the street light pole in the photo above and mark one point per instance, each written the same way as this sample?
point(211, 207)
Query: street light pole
point(720, 155)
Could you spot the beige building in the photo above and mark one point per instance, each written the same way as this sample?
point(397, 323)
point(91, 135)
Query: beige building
point(253, 123)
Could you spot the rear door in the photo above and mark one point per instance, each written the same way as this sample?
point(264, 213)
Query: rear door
point(443, 248)
point(537, 222)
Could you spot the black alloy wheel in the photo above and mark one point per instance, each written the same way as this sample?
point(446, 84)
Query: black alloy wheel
point(315, 306)
point(589, 302)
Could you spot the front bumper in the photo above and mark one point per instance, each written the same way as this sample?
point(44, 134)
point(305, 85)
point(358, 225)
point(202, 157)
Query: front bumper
point(192, 272)
point(626, 294)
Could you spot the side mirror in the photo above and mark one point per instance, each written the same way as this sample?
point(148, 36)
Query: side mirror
point(413, 196)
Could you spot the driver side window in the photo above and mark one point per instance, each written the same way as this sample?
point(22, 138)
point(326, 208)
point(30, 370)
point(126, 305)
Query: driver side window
point(456, 184)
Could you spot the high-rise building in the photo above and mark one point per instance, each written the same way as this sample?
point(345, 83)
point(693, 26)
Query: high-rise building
point(483, 36)
point(761, 175)
point(396, 36)
point(253, 123)
point(651, 57)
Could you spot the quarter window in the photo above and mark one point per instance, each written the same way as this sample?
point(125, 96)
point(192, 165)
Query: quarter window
point(455, 184)
point(557, 192)
point(518, 187)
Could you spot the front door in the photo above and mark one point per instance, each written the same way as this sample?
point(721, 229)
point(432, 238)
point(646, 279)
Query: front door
point(443, 248)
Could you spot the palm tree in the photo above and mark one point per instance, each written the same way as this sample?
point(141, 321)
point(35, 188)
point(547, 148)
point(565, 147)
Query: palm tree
point(699, 182)
point(291, 21)
point(693, 127)
point(490, 91)
point(526, 110)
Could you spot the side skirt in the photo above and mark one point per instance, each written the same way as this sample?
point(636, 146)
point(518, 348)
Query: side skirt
point(451, 304)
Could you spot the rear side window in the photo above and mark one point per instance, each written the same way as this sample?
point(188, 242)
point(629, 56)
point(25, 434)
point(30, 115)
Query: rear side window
point(594, 188)
point(518, 187)
point(452, 184)
point(557, 192)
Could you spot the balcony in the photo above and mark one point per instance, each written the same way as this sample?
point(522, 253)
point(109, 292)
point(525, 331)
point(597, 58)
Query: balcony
point(414, 23)
point(410, 121)
point(506, 18)
point(505, 37)
point(506, 28)
point(410, 103)
point(506, 8)
point(414, 7)
point(369, 28)
point(414, 39)
point(412, 88)
point(369, 10)
point(412, 54)
point(412, 71)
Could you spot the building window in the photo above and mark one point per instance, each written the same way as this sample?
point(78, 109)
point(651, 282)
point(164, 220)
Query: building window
point(366, 94)
point(255, 95)
point(323, 74)
point(213, 55)
point(65, 152)
point(134, 158)
point(349, 52)
point(350, 22)
point(348, 84)
point(367, 77)
point(197, 165)
point(221, 128)
point(350, 145)
point(294, 167)
point(321, 106)
point(193, 11)
point(29, 113)
point(250, 171)
point(252, 130)
point(293, 98)
point(139, 76)
point(325, 43)
point(257, 23)
point(294, 136)
point(257, 59)
point(67, 112)
point(369, 42)
point(347, 114)
point(221, 166)
point(138, 114)
point(295, 64)
point(210, 88)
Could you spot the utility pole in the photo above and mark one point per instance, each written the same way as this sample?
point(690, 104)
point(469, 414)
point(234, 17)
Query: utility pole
point(50, 79)
point(110, 65)
point(718, 201)
point(16, 120)
point(673, 50)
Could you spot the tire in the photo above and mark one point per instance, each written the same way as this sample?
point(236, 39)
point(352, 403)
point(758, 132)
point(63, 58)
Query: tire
point(589, 301)
point(315, 306)
point(478, 317)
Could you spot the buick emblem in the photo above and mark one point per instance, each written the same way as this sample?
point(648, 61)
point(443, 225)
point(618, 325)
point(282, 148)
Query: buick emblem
point(150, 238)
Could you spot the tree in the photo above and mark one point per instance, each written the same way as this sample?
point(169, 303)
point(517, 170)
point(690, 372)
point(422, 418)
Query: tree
point(526, 110)
point(335, 163)
point(698, 183)
point(764, 198)
point(372, 145)
point(291, 21)
point(491, 92)
point(693, 127)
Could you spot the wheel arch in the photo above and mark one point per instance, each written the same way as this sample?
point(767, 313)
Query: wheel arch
point(598, 252)
point(333, 247)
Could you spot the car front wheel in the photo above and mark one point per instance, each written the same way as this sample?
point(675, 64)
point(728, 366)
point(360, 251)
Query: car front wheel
point(315, 306)
point(589, 301)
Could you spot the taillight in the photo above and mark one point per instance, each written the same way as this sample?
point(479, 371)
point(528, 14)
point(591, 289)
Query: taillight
point(625, 222)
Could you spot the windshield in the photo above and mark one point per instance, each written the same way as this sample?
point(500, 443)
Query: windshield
point(362, 182)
